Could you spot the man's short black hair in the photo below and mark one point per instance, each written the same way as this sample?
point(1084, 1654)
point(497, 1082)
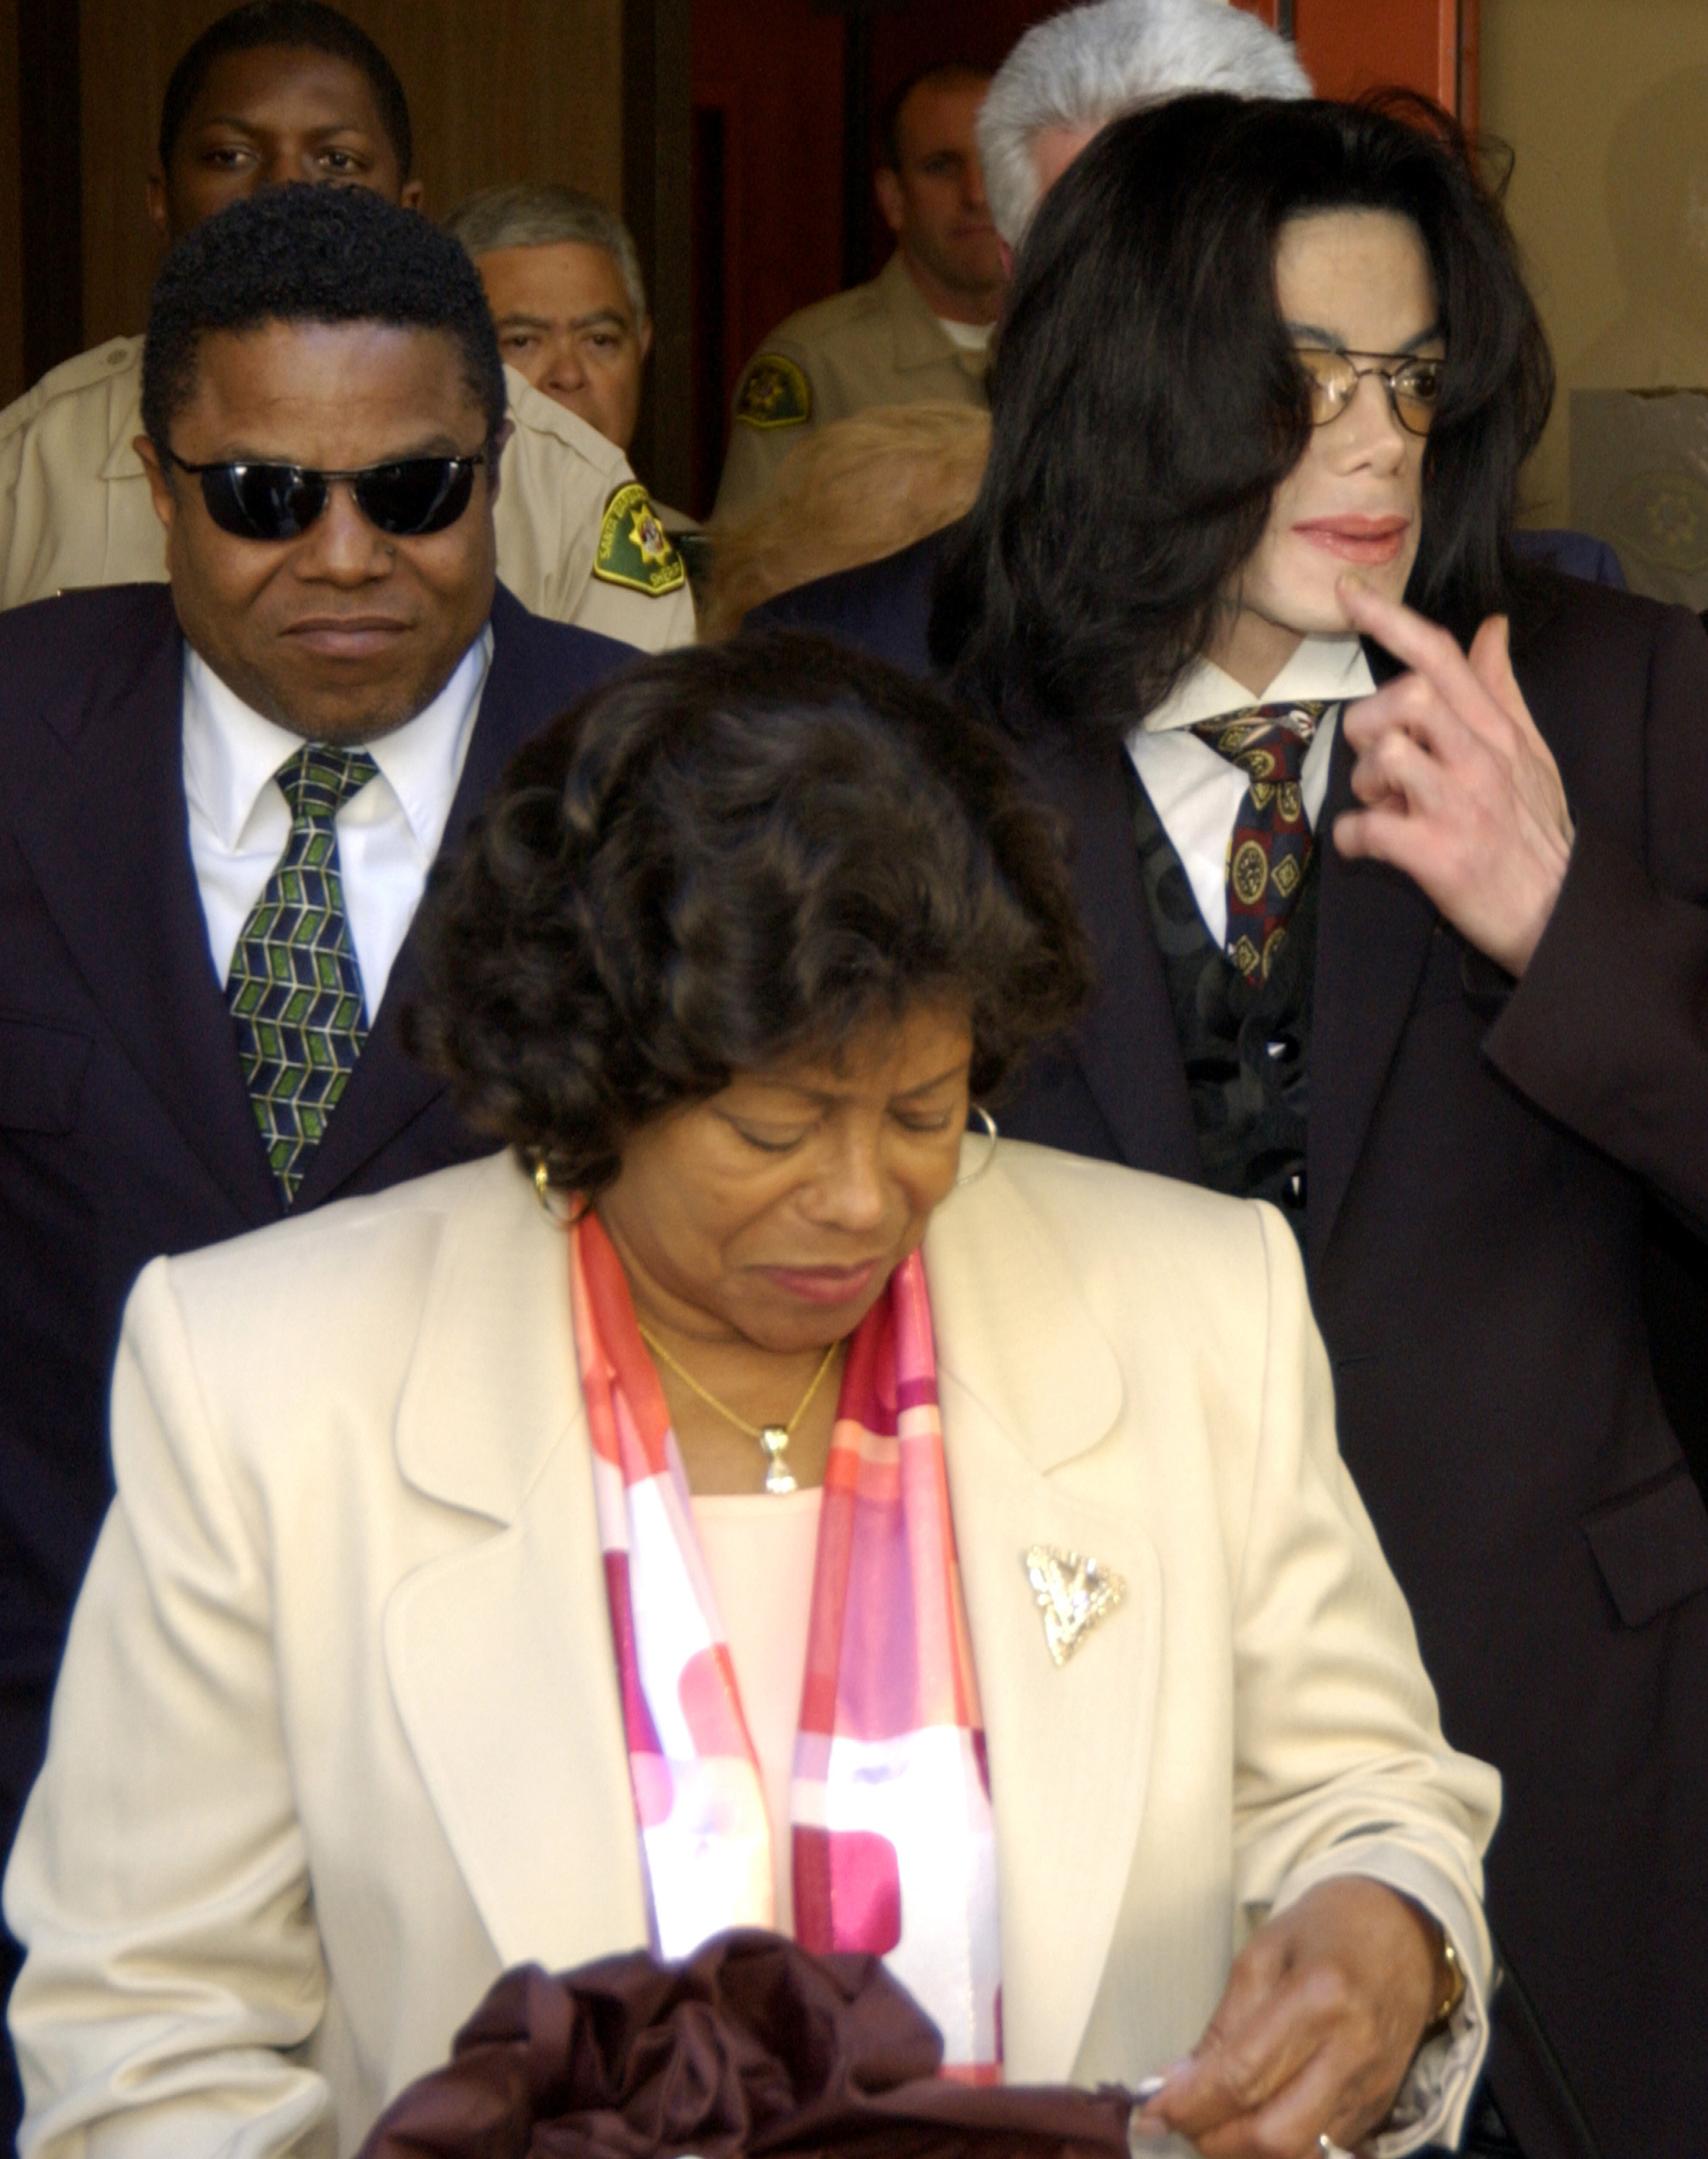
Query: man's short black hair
point(293, 25)
point(312, 255)
point(889, 113)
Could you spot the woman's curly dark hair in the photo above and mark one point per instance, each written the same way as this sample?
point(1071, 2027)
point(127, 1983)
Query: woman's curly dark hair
point(723, 857)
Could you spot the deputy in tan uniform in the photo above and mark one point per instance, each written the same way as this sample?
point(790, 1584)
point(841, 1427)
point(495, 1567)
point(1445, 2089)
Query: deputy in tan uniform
point(283, 91)
point(921, 329)
point(562, 278)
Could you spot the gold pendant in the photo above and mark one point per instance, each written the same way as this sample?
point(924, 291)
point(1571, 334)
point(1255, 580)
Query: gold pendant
point(778, 1482)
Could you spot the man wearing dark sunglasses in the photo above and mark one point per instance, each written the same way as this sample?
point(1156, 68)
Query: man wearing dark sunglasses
point(219, 805)
point(291, 91)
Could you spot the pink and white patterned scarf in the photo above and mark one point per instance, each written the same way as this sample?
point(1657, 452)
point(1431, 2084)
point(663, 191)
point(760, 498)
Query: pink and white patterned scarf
point(893, 1845)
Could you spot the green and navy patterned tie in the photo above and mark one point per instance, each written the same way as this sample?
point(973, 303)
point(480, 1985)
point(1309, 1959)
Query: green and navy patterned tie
point(295, 989)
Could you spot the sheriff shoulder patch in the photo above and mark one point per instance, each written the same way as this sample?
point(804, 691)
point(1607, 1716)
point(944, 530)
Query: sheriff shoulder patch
point(634, 549)
point(774, 393)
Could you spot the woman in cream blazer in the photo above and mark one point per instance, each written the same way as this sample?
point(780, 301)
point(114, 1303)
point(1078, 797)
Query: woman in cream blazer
point(340, 1737)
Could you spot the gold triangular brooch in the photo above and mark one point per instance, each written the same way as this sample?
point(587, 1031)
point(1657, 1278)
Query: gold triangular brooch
point(1074, 1593)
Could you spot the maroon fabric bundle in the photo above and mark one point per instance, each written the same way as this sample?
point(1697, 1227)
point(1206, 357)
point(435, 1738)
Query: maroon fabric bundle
point(752, 2046)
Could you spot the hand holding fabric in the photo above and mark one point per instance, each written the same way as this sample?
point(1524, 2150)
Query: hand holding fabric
point(1316, 2029)
point(1461, 792)
point(751, 2046)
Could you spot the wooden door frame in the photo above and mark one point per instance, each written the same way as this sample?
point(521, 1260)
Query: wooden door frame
point(48, 147)
point(657, 159)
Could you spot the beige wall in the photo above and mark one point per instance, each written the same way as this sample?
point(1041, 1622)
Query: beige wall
point(1601, 102)
point(498, 90)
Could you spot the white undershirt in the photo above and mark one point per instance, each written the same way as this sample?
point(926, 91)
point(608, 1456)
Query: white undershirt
point(1197, 792)
point(761, 1552)
point(388, 832)
point(968, 337)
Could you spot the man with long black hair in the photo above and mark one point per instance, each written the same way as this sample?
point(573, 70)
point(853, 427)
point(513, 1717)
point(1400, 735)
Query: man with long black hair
point(1401, 919)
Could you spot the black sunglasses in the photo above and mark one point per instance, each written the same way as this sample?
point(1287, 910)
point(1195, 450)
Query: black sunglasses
point(406, 499)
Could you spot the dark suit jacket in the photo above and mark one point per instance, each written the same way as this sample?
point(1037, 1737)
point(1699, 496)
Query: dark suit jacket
point(125, 1128)
point(1480, 1157)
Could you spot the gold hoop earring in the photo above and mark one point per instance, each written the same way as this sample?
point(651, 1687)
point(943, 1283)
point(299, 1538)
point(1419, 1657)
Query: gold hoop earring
point(542, 1193)
point(984, 1117)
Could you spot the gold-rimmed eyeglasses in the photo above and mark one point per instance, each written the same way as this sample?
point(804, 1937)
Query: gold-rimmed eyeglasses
point(1414, 385)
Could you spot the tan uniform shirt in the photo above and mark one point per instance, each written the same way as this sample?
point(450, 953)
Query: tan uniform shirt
point(574, 536)
point(878, 344)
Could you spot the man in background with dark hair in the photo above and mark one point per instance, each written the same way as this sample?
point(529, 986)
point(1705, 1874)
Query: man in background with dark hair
point(220, 801)
point(283, 91)
point(921, 329)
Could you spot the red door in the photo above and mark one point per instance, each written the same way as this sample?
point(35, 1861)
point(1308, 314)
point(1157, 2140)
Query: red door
point(1353, 45)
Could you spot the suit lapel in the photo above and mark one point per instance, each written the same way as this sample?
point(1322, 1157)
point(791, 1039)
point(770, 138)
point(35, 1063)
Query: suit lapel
point(500, 1653)
point(107, 836)
point(388, 1089)
point(1069, 1747)
point(1373, 938)
point(1126, 1046)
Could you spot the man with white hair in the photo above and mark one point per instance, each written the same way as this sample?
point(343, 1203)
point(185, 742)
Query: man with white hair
point(1063, 84)
point(1069, 76)
point(562, 278)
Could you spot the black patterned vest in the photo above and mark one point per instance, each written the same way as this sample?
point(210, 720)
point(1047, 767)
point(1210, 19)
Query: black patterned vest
point(1247, 1049)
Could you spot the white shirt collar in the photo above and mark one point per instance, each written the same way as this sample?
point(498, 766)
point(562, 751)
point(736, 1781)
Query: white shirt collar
point(1324, 670)
point(968, 337)
point(231, 753)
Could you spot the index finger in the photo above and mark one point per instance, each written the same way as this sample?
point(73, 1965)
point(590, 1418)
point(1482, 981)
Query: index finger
point(1411, 637)
point(1246, 2064)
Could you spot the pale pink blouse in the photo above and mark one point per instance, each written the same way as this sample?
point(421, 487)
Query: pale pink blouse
point(760, 1551)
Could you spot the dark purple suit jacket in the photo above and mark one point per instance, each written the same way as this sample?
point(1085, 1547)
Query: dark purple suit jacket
point(1482, 1161)
point(125, 1128)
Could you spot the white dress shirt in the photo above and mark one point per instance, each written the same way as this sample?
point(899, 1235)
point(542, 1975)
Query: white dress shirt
point(1197, 792)
point(388, 832)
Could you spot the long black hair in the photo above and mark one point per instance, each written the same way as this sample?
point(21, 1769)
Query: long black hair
point(1147, 403)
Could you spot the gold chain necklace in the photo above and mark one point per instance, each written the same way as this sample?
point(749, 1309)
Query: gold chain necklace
point(773, 1438)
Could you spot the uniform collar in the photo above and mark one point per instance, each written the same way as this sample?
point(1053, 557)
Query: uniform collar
point(1324, 670)
point(920, 340)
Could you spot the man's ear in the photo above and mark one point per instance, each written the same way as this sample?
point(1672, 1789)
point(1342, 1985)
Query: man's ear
point(413, 195)
point(159, 482)
point(888, 187)
point(501, 434)
point(1005, 255)
point(644, 337)
point(154, 201)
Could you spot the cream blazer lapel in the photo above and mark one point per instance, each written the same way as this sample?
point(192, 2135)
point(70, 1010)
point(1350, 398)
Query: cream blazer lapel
point(500, 1653)
point(1029, 1384)
point(500, 1657)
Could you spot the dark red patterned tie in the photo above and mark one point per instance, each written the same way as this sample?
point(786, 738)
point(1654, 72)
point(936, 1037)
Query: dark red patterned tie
point(1270, 848)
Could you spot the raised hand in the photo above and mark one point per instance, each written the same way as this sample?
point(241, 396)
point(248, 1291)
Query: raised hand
point(1461, 792)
